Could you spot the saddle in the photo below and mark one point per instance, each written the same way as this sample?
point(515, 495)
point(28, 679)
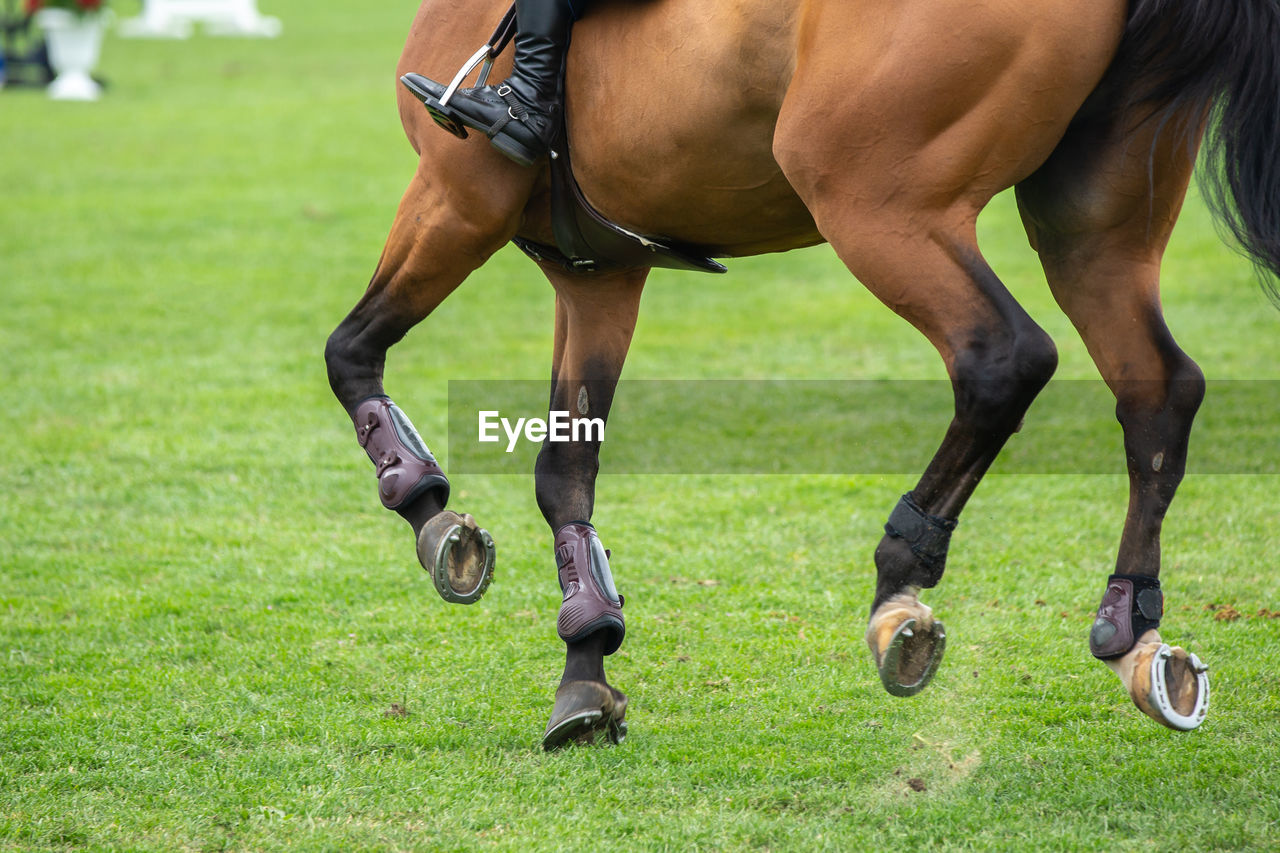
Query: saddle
point(585, 240)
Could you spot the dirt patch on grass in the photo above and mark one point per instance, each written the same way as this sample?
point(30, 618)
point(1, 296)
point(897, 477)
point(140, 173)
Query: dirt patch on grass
point(934, 766)
point(1223, 612)
point(1230, 613)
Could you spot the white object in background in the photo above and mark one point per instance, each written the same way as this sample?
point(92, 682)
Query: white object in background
point(75, 43)
point(175, 19)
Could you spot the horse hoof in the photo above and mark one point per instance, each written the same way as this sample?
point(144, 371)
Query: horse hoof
point(1170, 685)
point(458, 555)
point(907, 643)
point(582, 711)
point(912, 658)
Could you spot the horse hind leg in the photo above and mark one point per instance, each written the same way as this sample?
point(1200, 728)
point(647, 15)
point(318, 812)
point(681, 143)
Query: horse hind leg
point(1099, 213)
point(434, 244)
point(897, 194)
point(998, 359)
point(907, 643)
point(928, 269)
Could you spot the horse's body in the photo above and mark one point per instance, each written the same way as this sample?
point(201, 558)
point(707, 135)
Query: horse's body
point(651, 83)
point(749, 126)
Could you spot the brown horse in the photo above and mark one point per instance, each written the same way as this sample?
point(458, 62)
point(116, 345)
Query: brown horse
point(751, 126)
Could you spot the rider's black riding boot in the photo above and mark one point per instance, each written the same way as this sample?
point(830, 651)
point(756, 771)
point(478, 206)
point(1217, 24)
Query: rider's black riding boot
point(520, 115)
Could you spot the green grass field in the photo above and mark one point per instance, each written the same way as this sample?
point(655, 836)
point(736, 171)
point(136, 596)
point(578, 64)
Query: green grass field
point(213, 637)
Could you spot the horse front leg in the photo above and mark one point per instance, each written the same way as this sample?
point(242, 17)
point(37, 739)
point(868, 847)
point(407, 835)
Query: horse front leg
point(595, 319)
point(436, 241)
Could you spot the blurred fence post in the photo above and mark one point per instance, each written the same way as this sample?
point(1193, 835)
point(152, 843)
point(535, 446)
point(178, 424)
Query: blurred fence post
point(176, 18)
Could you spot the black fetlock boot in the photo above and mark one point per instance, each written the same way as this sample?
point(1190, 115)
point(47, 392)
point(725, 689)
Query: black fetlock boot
point(520, 115)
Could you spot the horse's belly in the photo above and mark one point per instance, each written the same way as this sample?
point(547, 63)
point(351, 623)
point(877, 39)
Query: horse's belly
point(671, 110)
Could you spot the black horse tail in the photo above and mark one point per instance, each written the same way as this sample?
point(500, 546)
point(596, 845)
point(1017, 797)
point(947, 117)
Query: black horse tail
point(1219, 59)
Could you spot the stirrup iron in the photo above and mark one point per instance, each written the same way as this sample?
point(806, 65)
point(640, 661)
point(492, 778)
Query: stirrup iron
point(484, 55)
point(440, 113)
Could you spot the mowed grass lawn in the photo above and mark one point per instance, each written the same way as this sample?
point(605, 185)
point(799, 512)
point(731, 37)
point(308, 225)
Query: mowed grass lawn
point(213, 637)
